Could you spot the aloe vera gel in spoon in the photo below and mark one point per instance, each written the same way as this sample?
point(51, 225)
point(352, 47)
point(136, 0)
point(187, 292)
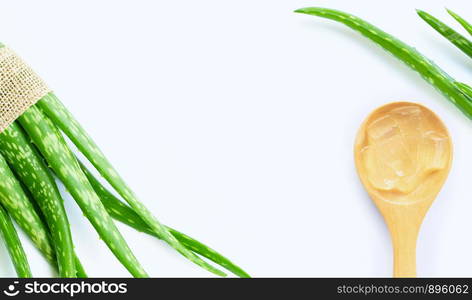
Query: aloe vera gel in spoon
point(403, 154)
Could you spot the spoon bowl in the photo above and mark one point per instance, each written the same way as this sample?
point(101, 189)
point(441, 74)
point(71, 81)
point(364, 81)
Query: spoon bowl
point(403, 154)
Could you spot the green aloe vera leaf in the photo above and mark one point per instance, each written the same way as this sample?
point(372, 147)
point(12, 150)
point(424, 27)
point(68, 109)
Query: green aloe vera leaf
point(62, 118)
point(465, 88)
point(13, 243)
point(450, 34)
point(410, 56)
point(30, 169)
point(15, 201)
point(80, 271)
point(123, 213)
point(467, 26)
point(60, 158)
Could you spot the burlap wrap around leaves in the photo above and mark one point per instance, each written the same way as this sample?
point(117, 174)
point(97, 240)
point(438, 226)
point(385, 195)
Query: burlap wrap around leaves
point(20, 87)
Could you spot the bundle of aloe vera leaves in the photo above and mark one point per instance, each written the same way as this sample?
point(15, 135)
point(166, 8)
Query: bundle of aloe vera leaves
point(459, 93)
point(33, 155)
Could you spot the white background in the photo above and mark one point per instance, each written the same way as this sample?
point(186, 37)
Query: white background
point(234, 122)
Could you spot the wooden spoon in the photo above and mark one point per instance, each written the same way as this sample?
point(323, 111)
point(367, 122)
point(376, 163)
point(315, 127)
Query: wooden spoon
point(403, 153)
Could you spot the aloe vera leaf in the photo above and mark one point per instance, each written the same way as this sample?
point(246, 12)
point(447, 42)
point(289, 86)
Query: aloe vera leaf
point(467, 26)
point(465, 88)
point(54, 149)
point(79, 268)
point(450, 34)
point(15, 249)
point(49, 255)
point(15, 201)
point(123, 213)
point(62, 118)
point(411, 57)
point(30, 169)
point(80, 271)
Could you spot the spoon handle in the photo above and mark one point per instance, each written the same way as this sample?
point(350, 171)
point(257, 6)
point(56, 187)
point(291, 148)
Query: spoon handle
point(404, 249)
point(404, 222)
